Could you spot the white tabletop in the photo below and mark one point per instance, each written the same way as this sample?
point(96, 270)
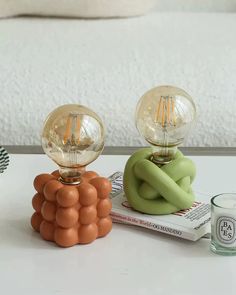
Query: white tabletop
point(129, 260)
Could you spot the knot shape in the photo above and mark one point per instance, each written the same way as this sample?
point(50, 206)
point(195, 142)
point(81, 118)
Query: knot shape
point(159, 190)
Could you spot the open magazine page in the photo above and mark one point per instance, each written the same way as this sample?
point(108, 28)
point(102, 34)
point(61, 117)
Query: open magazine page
point(189, 224)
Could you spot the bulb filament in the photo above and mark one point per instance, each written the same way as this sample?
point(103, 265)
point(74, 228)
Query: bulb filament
point(165, 114)
point(73, 137)
point(73, 127)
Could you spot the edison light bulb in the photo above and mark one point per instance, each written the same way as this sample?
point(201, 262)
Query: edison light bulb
point(164, 116)
point(73, 137)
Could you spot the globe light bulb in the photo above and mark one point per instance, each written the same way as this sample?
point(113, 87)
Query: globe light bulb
point(164, 116)
point(73, 137)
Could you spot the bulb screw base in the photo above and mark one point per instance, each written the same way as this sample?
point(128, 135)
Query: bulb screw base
point(71, 176)
point(70, 181)
point(163, 155)
point(161, 159)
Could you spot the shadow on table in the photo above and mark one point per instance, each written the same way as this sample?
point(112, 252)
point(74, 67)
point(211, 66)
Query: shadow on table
point(19, 234)
point(181, 246)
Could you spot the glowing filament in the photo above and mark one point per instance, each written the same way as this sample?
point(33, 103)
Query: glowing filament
point(165, 114)
point(73, 127)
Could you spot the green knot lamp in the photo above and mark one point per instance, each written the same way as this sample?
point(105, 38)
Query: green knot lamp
point(157, 180)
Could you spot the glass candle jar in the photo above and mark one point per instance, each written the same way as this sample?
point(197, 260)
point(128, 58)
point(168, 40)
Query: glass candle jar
point(223, 224)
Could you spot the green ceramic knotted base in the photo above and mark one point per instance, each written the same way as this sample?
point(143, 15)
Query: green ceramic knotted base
point(158, 190)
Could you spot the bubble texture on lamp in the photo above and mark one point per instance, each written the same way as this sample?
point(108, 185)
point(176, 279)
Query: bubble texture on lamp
point(70, 214)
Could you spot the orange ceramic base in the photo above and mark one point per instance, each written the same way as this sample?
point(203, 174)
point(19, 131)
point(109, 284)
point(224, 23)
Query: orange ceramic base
point(71, 214)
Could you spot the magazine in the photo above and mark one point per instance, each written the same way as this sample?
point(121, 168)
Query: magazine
point(190, 224)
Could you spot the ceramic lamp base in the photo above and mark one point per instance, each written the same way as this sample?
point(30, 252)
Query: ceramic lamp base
point(159, 190)
point(71, 214)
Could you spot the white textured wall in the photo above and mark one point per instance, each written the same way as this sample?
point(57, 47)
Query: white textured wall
point(108, 64)
point(196, 5)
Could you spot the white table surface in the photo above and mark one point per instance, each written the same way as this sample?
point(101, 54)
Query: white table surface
point(129, 260)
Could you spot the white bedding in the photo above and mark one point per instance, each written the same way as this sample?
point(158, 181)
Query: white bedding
point(108, 64)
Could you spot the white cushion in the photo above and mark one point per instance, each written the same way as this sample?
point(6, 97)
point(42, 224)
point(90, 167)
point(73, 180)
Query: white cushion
point(75, 8)
point(108, 65)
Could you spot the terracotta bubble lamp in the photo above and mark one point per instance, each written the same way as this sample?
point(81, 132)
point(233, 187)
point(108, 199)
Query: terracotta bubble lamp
point(157, 180)
point(72, 205)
